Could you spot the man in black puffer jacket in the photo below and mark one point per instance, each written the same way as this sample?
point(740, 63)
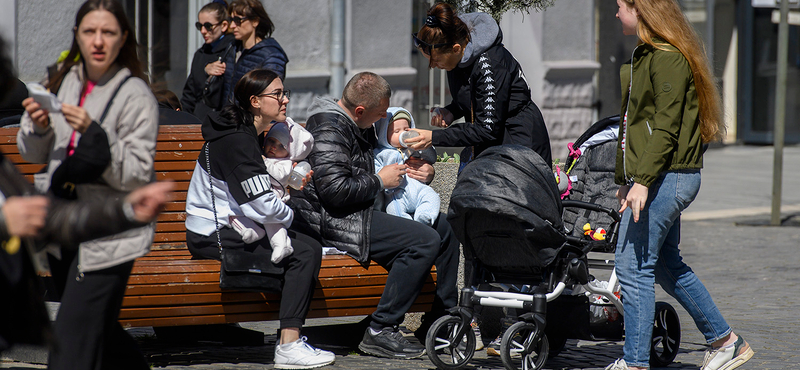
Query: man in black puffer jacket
point(342, 205)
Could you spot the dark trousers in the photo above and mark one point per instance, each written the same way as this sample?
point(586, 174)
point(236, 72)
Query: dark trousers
point(408, 249)
point(86, 332)
point(301, 268)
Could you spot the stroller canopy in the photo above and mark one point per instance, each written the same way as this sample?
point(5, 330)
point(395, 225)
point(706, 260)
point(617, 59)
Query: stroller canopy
point(506, 210)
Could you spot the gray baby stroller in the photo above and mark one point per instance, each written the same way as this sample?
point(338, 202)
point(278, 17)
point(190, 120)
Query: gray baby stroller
point(507, 212)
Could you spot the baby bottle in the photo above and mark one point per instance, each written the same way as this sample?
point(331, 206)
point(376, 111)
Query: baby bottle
point(298, 174)
point(405, 135)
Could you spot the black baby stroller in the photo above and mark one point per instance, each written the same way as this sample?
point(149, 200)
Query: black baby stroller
point(506, 211)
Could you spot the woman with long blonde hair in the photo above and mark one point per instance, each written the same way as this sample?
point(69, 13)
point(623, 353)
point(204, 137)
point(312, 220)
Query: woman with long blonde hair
point(670, 109)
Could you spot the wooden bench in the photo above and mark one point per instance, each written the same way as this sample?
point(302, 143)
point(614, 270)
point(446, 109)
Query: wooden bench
point(168, 288)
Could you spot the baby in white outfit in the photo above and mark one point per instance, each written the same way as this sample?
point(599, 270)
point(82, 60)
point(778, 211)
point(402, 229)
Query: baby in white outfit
point(285, 144)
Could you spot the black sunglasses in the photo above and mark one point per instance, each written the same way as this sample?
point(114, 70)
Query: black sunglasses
point(424, 46)
point(207, 25)
point(238, 20)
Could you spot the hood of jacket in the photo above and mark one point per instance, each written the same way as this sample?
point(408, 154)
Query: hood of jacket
point(484, 33)
point(382, 126)
point(326, 104)
point(217, 125)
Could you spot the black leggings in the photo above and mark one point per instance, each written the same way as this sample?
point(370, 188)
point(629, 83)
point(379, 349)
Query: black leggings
point(301, 268)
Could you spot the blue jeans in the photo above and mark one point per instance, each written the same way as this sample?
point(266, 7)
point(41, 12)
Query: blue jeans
point(647, 252)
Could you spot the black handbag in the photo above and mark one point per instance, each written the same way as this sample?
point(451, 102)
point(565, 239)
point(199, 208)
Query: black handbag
point(242, 269)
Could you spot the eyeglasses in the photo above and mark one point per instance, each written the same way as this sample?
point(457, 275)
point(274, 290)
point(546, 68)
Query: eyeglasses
point(207, 25)
point(424, 46)
point(279, 95)
point(238, 20)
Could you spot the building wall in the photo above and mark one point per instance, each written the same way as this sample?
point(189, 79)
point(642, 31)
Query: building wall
point(376, 39)
point(43, 31)
point(8, 26)
point(557, 51)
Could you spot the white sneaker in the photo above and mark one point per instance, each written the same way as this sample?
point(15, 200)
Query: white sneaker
point(619, 364)
point(301, 355)
point(729, 357)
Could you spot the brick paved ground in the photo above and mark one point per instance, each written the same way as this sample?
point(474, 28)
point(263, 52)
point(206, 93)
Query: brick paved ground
point(751, 272)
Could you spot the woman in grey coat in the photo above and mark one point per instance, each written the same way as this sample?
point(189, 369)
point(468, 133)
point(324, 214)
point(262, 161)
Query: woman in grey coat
point(106, 99)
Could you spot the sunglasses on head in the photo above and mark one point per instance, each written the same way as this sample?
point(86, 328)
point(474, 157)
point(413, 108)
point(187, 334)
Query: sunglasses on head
point(424, 46)
point(238, 20)
point(208, 26)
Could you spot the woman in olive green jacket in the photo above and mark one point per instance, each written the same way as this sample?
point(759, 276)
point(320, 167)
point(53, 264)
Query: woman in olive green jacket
point(670, 108)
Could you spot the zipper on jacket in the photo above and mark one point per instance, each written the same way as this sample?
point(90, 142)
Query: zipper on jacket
point(649, 128)
point(629, 179)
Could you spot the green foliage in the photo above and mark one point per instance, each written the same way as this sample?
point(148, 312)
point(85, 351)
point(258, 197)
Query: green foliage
point(446, 158)
point(496, 8)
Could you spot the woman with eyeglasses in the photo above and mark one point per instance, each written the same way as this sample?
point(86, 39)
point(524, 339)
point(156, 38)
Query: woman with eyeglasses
point(254, 46)
point(241, 193)
point(487, 84)
point(203, 89)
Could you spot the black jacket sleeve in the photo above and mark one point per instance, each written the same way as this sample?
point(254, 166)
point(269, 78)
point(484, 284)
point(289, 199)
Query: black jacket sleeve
point(344, 182)
point(191, 92)
point(488, 95)
point(67, 222)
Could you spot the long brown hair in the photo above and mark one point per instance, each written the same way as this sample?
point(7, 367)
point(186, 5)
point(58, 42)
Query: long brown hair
point(665, 20)
point(442, 26)
point(128, 56)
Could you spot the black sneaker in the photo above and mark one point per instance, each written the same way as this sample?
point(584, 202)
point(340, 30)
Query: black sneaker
point(390, 343)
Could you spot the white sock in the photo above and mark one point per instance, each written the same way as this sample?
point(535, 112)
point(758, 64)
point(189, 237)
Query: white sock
point(279, 253)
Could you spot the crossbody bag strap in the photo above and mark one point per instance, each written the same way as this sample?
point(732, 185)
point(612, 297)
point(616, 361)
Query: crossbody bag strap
point(213, 202)
point(111, 101)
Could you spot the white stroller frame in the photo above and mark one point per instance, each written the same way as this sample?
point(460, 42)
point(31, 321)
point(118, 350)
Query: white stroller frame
point(516, 300)
point(450, 342)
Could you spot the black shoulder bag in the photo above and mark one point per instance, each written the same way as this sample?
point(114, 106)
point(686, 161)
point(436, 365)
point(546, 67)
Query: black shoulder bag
point(91, 158)
point(242, 269)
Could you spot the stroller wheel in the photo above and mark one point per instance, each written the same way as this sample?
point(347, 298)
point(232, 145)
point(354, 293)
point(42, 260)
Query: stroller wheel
point(524, 347)
point(666, 335)
point(445, 347)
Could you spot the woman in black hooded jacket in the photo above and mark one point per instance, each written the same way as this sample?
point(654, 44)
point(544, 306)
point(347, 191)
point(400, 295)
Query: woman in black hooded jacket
point(487, 84)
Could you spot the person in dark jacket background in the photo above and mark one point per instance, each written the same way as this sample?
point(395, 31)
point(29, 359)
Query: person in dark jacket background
point(487, 84)
point(339, 206)
point(254, 46)
point(203, 89)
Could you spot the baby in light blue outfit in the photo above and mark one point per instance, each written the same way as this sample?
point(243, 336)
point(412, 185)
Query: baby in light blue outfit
point(412, 199)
